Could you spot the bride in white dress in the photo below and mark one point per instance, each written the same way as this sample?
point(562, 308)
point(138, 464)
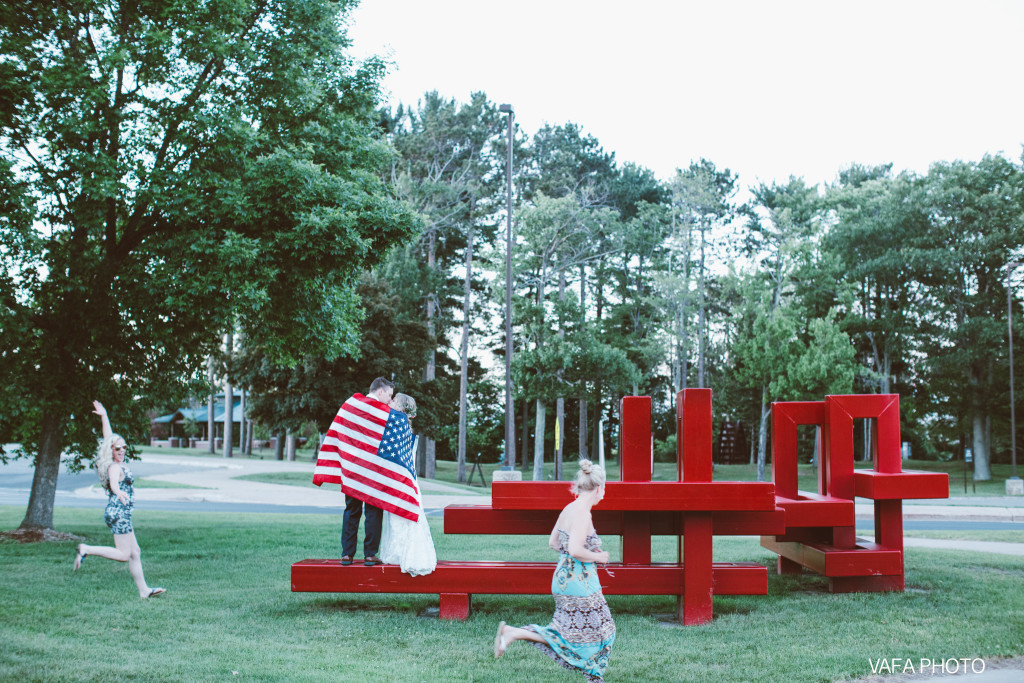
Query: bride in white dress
point(403, 542)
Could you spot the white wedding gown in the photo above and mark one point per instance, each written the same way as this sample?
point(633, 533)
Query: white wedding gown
point(408, 544)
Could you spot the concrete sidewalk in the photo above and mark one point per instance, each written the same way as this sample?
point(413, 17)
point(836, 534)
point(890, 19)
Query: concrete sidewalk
point(1006, 509)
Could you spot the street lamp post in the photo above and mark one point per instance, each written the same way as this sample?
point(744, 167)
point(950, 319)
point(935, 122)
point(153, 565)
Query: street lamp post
point(510, 419)
point(1013, 484)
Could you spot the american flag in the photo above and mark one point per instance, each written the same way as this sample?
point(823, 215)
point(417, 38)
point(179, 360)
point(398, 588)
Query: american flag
point(368, 450)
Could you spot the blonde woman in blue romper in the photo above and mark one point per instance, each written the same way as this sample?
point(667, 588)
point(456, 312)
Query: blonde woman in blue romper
point(582, 631)
point(118, 482)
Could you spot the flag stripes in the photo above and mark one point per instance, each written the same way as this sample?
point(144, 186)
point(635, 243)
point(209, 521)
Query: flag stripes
point(351, 457)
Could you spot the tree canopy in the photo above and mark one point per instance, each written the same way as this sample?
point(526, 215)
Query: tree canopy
point(176, 170)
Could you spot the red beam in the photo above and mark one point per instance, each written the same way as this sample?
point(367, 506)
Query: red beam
point(786, 417)
point(813, 510)
point(639, 496)
point(867, 559)
point(328, 576)
point(696, 607)
point(694, 435)
point(904, 485)
point(482, 519)
point(635, 438)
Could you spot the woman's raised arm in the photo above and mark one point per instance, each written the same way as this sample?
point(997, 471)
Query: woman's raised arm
point(102, 412)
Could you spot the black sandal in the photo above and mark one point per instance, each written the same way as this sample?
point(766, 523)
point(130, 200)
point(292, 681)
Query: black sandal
point(372, 560)
point(346, 561)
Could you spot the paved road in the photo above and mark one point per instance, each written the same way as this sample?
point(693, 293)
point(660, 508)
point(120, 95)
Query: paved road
point(221, 489)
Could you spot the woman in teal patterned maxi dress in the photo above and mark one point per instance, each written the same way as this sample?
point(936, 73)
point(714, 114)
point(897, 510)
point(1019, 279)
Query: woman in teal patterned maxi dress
point(582, 631)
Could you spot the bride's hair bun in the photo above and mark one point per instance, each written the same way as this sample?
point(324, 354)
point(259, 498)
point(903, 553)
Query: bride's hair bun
point(588, 478)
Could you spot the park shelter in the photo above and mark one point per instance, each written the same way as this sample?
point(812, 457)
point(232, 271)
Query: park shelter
point(173, 425)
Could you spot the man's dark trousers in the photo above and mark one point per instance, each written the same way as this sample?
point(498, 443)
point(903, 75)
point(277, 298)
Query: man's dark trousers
point(350, 528)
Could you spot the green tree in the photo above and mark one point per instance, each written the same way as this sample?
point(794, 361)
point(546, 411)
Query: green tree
point(786, 352)
point(446, 171)
point(556, 237)
point(976, 216)
point(878, 219)
point(702, 198)
point(637, 316)
point(393, 341)
point(562, 160)
point(180, 171)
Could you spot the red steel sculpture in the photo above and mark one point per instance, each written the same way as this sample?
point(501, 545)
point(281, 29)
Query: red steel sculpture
point(810, 530)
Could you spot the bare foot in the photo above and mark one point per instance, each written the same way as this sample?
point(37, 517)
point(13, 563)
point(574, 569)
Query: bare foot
point(79, 556)
point(499, 641)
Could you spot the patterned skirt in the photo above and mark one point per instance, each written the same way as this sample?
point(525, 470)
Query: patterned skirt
point(582, 631)
point(118, 518)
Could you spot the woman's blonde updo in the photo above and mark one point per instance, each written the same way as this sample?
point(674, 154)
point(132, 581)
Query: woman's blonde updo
point(405, 403)
point(105, 458)
point(588, 478)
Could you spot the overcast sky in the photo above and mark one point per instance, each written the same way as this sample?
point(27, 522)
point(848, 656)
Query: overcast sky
point(765, 88)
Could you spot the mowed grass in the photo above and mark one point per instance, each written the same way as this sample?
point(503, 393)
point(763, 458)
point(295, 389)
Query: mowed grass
point(229, 613)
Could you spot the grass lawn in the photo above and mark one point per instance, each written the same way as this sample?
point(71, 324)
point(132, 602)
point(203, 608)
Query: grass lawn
point(229, 613)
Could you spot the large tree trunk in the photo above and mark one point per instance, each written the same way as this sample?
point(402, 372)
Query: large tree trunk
point(559, 435)
point(702, 332)
point(430, 456)
point(583, 429)
point(538, 442)
point(762, 436)
point(39, 514)
point(248, 437)
point(289, 447)
point(867, 440)
point(464, 363)
point(229, 402)
point(526, 434)
point(982, 471)
point(560, 401)
point(427, 467)
point(211, 425)
point(753, 447)
point(242, 425)
point(684, 351)
point(583, 384)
